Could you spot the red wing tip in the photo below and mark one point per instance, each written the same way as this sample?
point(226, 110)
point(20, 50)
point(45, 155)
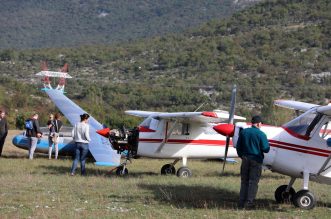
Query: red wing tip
point(210, 114)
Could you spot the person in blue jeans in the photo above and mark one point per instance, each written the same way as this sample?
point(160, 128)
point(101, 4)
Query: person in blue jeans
point(81, 136)
point(251, 145)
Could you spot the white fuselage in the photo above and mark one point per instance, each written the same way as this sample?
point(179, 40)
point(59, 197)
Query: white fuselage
point(292, 156)
point(198, 141)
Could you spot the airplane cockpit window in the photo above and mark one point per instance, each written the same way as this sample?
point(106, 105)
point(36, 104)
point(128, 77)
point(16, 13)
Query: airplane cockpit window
point(181, 129)
point(303, 125)
point(151, 123)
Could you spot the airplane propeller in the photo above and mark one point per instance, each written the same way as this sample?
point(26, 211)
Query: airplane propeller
point(228, 129)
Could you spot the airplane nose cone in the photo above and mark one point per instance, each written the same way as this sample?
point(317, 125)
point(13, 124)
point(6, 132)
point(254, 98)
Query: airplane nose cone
point(104, 132)
point(225, 129)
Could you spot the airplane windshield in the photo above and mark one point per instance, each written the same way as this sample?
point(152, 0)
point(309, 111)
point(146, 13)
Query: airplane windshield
point(302, 126)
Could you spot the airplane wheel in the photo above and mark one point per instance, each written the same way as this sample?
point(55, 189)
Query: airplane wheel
point(184, 172)
point(168, 169)
point(120, 172)
point(282, 196)
point(304, 199)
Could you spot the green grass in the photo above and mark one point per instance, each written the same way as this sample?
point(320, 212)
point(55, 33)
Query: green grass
point(42, 188)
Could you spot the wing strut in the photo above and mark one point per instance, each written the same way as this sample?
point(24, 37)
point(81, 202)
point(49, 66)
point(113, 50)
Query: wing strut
point(159, 149)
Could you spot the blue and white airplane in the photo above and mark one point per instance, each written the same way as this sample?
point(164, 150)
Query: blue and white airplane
point(66, 144)
point(99, 147)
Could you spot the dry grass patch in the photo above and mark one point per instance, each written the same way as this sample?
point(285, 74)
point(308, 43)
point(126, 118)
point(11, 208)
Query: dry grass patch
point(42, 188)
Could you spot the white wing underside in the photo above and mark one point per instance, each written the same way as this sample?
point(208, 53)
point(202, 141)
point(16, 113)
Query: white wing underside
point(203, 117)
point(295, 105)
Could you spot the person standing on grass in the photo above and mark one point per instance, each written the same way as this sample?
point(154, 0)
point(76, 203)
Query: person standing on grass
point(54, 126)
point(33, 133)
point(3, 129)
point(251, 145)
point(81, 136)
point(50, 126)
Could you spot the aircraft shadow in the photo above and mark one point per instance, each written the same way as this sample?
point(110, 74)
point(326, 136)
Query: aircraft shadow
point(65, 170)
point(183, 196)
point(110, 172)
point(23, 155)
point(232, 174)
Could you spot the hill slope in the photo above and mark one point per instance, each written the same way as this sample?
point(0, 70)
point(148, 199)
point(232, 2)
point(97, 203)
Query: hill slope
point(63, 23)
point(277, 49)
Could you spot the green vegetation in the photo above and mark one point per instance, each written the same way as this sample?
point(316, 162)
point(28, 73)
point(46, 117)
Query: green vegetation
point(62, 23)
point(276, 49)
point(48, 191)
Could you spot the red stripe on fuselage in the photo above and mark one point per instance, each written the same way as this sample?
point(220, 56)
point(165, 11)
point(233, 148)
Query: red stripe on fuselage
point(300, 148)
point(203, 142)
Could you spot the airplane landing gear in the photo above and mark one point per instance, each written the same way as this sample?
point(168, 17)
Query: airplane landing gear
point(283, 196)
point(184, 172)
point(304, 199)
point(168, 169)
point(122, 171)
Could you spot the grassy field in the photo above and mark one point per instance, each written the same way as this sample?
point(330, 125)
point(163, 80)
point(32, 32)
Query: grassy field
point(43, 188)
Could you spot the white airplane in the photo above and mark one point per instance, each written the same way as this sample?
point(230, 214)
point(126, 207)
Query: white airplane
point(178, 136)
point(300, 148)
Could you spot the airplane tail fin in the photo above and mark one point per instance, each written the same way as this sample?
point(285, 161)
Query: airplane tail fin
point(62, 80)
point(46, 81)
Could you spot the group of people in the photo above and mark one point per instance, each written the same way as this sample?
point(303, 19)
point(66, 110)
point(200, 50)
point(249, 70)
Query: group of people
point(251, 146)
point(80, 134)
point(33, 133)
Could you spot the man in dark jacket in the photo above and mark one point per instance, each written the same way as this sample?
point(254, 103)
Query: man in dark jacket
point(251, 145)
point(33, 135)
point(3, 129)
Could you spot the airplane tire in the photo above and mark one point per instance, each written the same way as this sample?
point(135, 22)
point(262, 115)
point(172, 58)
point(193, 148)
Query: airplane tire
point(119, 171)
point(184, 172)
point(168, 169)
point(304, 199)
point(282, 196)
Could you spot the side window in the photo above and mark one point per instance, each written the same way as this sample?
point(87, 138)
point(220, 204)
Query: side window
point(181, 129)
point(325, 131)
point(185, 129)
point(154, 124)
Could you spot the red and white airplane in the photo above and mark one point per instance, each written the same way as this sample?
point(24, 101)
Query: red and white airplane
point(300, 148)
point(178, 136)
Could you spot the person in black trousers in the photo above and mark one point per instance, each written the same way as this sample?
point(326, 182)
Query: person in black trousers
point(3, 129)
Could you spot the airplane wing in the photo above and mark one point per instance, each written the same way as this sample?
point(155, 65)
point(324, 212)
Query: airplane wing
point(99, 146)
point(325, 110)
point(295, 105)
point(205, 117)
point(140, 113)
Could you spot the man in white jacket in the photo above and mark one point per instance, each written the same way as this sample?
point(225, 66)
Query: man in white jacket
point(81, 136)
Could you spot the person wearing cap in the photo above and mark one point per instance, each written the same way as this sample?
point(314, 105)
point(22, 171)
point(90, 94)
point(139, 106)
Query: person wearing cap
point(81, 136)
point(251, 145)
